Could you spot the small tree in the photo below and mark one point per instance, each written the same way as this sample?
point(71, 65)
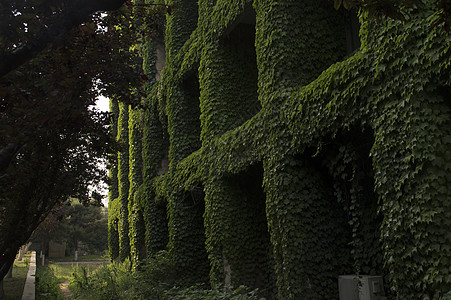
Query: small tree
point(88, 225)
point(75, 223)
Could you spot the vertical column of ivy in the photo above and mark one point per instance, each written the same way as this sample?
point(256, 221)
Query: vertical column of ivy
point(179, 25)
point(215, 226)
point(149, 56)
point(185, 235)
point(154, 147)
point(187, 238)
point(238, 242)
point(155, 144)
point(135, 210)
point(295, 42)
point(123, 181)
point(228, 77)
point(113, 229)
point(235, 215)
point(186, 230)
point(412, 164)
point(350, 166)
point(113, 192)
point(306, 228)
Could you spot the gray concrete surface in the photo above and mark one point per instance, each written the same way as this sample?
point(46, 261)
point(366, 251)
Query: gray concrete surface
point(29, 288)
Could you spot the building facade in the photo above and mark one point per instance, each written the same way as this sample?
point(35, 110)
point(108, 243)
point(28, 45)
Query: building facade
point(286, 143)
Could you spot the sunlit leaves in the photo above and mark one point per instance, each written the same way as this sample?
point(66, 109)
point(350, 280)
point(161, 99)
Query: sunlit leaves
point(378, 8)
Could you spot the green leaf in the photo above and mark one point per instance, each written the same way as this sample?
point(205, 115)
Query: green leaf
point(347, 4)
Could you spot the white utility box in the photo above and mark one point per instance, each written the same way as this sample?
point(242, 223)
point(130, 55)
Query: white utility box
point(361, 287)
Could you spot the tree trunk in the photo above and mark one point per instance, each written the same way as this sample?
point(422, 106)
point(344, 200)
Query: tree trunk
point(10, 272)
point(7, 258)
point(6, 155)
point(2, 292)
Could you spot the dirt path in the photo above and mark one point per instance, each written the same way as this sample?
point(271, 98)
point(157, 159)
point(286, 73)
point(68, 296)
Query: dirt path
point(100, 262)
point(64, 287)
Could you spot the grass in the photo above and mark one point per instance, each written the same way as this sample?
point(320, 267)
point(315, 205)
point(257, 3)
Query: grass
point(14, 286)
point(80, 258)
point(47, 284)
point(64, 272)
point(155, 280)
point(51, 275)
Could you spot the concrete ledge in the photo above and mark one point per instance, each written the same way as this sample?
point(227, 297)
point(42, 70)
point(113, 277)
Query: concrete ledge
point(29, 288)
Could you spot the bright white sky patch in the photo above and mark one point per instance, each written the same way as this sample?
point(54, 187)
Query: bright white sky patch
point(103, 104)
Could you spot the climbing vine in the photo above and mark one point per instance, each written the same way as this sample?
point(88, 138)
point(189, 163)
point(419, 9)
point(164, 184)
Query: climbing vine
point(124, 184)
point(155, 145)
point(135, 210)
point(113, 189)
point(278, 153)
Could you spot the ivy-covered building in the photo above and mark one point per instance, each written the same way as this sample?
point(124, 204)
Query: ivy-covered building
point(285, 143)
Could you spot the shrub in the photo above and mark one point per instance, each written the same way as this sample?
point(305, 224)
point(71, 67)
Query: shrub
point(219, 293)
point(47, 284)
point(117, 281)
point(107, 282)
point(155, 279)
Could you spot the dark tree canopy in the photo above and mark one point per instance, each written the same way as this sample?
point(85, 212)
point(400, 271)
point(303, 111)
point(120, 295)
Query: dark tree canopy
point(56, 58)
point(29, 27)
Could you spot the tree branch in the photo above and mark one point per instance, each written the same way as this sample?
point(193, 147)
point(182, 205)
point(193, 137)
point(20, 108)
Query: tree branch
point(75, 13)
point(6, 155)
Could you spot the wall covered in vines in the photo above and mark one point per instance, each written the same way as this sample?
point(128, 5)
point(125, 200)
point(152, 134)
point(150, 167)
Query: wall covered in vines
point(113, 189)
point(135, 210)
point(272, 156)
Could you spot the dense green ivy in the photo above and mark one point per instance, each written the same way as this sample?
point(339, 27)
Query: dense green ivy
point(155, 148)
point(237, 233)
point(186, 230)
point(185, 222)
point(228, 72)
point(113, 189)
point(412, 178)
point(290, 161)
point(308, 230)
point(123, 179)
point(135, 210)
point(113, 229)
point(179, 25)
point(154, 154)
